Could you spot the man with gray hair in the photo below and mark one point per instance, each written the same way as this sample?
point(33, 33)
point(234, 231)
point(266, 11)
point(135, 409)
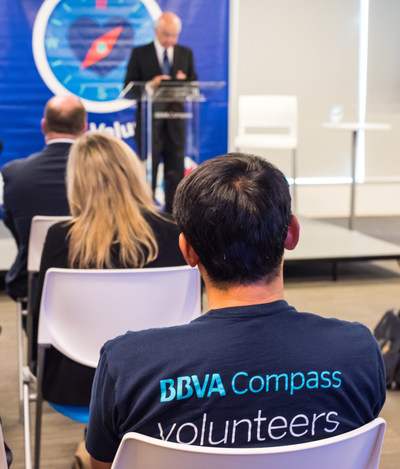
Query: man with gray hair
point(161, 60)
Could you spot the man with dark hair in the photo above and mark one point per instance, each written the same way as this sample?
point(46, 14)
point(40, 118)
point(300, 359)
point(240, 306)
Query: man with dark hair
point(36, 185)
point(254, 195)
point(252, 371)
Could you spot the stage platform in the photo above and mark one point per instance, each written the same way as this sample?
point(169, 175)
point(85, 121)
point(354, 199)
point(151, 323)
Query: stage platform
point(319, 241)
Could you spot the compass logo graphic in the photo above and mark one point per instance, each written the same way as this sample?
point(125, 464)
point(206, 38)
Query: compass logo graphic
point(83, 46)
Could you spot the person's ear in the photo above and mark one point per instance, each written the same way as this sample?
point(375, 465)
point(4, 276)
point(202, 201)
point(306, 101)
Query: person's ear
point(43, 125)
point(187, 251)
point(293, 234)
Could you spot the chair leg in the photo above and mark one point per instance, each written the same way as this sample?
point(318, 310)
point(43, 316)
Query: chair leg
point(39, 405)
point(20, 313)
point(38, 431)
point(27, 421)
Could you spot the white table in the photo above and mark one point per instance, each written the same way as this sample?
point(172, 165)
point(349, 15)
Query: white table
point(355, 128)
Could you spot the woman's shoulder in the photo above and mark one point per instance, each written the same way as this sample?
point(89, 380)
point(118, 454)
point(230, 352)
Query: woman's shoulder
point(55, 249)
point(58, 230)
point(162, 221)
point(166, 232)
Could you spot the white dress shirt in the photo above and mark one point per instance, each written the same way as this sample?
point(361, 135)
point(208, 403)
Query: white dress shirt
point(160, 53)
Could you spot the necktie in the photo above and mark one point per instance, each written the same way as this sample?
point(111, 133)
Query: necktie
point(165, 66)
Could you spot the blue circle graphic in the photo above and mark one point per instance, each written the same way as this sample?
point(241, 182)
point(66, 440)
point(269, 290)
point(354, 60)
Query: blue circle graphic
point(87, 44)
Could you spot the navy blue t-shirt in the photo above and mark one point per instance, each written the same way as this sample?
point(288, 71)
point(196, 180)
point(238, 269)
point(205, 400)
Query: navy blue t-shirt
point(261, 375)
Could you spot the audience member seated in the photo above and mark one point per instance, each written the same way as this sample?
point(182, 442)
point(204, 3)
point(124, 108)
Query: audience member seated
point(253, 371)
point(115, 224)
point(36, 185)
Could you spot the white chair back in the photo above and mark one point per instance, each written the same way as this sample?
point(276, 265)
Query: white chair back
point(82, 309)
point(37, 236)
point(358, 449)
point(267, 121)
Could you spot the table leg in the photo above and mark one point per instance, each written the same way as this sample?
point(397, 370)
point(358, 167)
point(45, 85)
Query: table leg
point(149, 139)
point(353, 179)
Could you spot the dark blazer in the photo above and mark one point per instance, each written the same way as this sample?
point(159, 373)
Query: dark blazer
point(32, 186)
point(143, 66)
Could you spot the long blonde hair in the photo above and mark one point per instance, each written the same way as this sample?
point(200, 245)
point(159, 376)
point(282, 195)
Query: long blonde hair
point(108, 197)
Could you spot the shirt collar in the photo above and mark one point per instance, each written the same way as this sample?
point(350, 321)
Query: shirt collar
point(60, 140)
point(160, 53)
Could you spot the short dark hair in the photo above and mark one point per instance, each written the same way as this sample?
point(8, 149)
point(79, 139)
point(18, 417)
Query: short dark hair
point(69, 120)
point(234, 210)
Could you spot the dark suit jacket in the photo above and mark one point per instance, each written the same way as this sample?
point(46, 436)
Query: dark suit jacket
point(143, 66)
point(32, 186)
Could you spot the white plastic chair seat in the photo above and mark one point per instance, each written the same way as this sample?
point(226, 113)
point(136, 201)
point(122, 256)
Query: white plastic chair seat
point(275, 141)
point(37, 236)
point(357, 449)
point(269, 122)
point(81, 309)
point(76, 301)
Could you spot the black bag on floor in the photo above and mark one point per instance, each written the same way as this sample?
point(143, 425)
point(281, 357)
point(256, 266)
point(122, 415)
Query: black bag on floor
point(387, 333)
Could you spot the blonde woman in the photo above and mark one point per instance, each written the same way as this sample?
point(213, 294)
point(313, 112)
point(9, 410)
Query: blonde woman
point(114, 224)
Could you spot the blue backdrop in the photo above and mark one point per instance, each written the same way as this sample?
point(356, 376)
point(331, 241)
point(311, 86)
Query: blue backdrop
point(48, 47)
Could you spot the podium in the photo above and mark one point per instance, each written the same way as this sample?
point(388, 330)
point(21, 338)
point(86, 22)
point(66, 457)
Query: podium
point(171, 100)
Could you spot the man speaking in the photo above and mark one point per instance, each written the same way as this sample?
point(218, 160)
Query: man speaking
point(161, 60)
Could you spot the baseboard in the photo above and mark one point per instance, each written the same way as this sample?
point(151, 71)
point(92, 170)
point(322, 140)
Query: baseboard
point(333, 200)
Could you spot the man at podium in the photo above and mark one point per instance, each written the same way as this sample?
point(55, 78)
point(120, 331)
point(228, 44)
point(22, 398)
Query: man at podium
point(160, 60)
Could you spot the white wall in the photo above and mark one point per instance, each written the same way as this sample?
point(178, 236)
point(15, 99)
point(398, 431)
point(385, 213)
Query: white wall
point(310, 48)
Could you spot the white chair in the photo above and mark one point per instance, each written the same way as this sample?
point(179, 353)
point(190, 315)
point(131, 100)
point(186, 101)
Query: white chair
point(268, 122)
point(82, 309)
point(37, 236)
point(358, 449)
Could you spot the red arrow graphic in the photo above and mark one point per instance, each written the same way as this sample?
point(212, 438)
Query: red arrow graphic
point(101, 47)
